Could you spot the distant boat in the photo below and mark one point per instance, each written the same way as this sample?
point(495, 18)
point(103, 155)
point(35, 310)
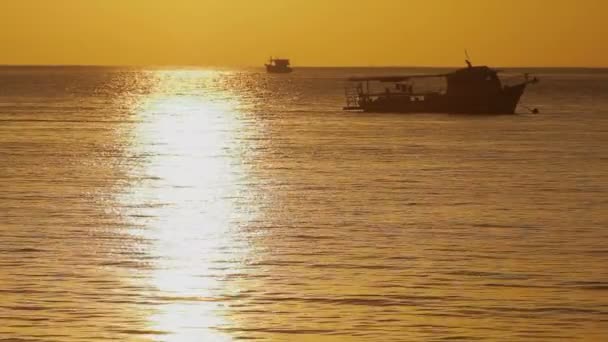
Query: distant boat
point(471, 90)
point(278, 66)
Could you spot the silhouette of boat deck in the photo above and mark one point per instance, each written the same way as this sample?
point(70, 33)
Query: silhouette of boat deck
point(470, 90)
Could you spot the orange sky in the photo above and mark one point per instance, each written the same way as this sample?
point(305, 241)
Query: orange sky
point(310, 32)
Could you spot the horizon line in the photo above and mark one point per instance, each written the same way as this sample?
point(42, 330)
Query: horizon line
point(295, 67)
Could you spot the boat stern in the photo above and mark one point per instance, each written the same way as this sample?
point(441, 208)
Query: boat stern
point(354, 97)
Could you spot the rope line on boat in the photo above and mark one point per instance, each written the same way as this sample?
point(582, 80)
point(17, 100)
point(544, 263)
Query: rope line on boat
point(531, 110)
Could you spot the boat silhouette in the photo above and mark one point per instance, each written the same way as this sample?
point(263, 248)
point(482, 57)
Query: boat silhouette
point(278, 66)
point(470, 90)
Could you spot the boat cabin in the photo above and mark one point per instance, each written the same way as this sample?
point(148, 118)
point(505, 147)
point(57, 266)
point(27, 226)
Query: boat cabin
point(281, 63)
point(473, 80)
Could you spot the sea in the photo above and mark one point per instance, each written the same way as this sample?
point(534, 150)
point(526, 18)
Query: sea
point(216, 204)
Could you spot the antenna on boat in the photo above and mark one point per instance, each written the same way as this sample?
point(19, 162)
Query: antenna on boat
point(468, 59)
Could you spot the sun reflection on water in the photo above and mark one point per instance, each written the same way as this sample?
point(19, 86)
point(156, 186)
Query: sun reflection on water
point(188, 185)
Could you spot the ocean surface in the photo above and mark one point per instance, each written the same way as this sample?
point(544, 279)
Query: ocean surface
point(222, 205)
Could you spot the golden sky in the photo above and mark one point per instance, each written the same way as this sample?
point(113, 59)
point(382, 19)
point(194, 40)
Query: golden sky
point(310, 32)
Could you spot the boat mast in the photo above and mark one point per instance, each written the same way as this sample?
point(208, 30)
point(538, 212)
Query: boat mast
point(468, 59)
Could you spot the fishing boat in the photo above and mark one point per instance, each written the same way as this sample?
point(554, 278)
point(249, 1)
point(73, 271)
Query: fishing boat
point(278, 66)
point(470, 90)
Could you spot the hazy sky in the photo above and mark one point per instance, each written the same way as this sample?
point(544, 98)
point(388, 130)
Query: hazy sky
point(310, 32)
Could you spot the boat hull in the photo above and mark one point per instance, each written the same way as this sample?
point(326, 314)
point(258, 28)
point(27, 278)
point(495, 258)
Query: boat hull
point(273, 69)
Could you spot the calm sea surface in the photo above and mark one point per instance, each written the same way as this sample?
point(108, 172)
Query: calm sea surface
point(219, 205)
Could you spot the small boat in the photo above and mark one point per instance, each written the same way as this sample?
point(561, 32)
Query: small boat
point(470, 90)
point(278, 66)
